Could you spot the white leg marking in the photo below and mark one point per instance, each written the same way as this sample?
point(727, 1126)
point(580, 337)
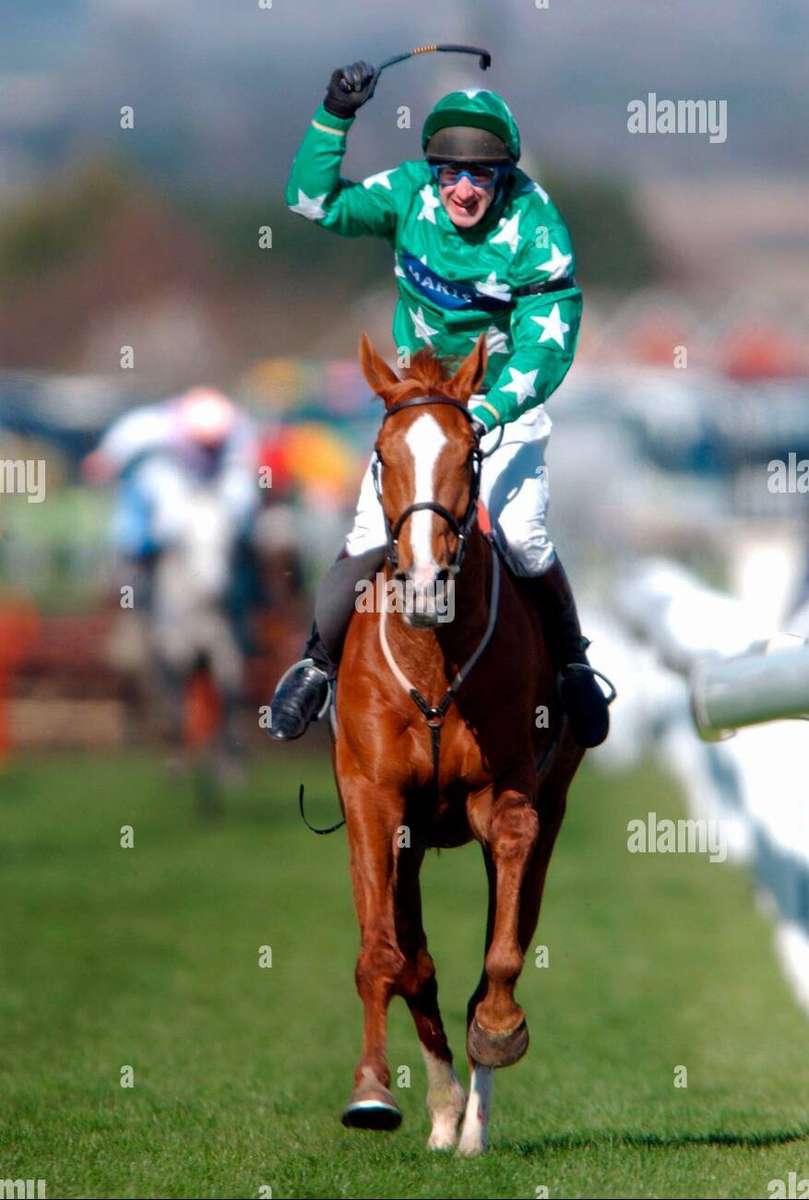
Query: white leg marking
point(425, 439)
point(445, 1101)
point(475, 1132)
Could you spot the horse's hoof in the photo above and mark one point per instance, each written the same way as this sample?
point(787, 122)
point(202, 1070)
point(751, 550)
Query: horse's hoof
point(496, 1049)
point(372, 1107)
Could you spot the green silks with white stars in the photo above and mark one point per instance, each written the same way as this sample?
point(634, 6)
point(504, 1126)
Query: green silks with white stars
point(455, 284)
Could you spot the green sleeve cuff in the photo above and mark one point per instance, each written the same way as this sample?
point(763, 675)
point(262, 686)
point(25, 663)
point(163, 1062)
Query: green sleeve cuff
point(338, 124)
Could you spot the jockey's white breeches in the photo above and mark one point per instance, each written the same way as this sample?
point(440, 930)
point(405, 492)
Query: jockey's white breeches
point(513, 488)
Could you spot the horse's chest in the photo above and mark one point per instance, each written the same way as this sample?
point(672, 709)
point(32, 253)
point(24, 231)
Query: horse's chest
point(441, 777)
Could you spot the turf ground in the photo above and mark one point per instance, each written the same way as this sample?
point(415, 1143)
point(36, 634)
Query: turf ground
point(148, 957)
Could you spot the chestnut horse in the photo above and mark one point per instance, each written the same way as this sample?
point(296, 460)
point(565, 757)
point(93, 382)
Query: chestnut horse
point(437, 741)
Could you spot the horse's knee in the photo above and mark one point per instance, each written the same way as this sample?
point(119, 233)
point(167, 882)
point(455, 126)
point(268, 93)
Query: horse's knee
point(514, 830)
point(379, 965)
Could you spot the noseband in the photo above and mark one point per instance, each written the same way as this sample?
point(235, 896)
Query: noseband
point(459, 528)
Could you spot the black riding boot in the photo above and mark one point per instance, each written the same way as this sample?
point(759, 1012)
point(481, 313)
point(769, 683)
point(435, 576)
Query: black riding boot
point(304, 689)
point(582, 698)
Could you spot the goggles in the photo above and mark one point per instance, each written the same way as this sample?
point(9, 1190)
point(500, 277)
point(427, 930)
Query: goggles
point(481, 175)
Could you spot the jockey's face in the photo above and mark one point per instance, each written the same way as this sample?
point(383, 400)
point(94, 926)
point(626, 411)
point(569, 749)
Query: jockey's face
point(465, 204)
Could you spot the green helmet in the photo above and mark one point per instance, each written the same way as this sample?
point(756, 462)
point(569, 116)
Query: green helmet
point(474, 125)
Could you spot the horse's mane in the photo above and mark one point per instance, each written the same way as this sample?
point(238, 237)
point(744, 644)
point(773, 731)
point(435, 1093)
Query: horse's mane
point(425, 374)
point(427, 370)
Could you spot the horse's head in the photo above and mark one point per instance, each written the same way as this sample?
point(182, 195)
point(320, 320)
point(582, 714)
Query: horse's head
point(428, 471)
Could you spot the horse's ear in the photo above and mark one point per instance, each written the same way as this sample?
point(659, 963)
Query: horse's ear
point(471, 373)
point(381, 379)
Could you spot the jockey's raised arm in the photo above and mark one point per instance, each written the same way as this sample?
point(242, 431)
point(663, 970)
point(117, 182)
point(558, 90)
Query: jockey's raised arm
point(316, 190)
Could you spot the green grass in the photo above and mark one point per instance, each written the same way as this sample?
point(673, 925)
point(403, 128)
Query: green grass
point(149, 957)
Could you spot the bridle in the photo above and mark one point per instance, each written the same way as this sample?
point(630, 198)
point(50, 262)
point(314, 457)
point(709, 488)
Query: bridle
point(460, 528)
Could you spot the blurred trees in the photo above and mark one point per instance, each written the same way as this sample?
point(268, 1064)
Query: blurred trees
point(613, 248)
point(60, 221)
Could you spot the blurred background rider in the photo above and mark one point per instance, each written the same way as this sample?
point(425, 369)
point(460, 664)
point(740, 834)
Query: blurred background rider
point(157, 454)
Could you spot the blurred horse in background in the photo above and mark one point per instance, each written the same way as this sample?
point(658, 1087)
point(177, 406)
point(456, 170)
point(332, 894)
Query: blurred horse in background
point(192, 635)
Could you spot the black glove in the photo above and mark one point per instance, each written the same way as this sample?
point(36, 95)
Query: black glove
point(349, 88)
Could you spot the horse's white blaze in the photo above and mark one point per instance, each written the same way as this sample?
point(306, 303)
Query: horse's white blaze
point(425, 440)
point(445, 1101)
point(475, 1132)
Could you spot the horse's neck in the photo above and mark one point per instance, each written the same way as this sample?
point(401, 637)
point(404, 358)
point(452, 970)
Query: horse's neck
point(430, 656)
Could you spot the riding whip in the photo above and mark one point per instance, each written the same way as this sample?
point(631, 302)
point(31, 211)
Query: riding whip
point(485, 58)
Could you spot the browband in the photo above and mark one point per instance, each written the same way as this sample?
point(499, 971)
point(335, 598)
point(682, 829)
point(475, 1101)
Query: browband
point(418, 401)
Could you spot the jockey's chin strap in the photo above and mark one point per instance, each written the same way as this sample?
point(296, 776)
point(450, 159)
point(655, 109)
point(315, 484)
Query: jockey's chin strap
point(460, 527)
point(434, 714)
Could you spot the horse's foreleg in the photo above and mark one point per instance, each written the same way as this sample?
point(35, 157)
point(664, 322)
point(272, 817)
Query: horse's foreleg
point(497, 1034)
point(371, 822)
point(445, 1096)
point(474, 1136)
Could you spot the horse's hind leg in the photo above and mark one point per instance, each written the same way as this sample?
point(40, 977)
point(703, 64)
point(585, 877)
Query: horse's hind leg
point(445, 1096)
point(475, 1132)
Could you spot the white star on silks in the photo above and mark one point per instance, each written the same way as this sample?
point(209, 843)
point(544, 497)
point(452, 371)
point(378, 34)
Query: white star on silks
point(557, 264)
point(420, 326)
point(508, 231)
point(553, 327)
point(381, 177)
point(397, 270)
point(490, 287)
point(310, 207)
point(522, 384)
point(470, 93)
point(532, 186)
point(429, 203)
point(496, 340)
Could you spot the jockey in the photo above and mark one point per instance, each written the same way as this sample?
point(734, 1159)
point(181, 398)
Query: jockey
point(158, 451)
point(479, 248)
